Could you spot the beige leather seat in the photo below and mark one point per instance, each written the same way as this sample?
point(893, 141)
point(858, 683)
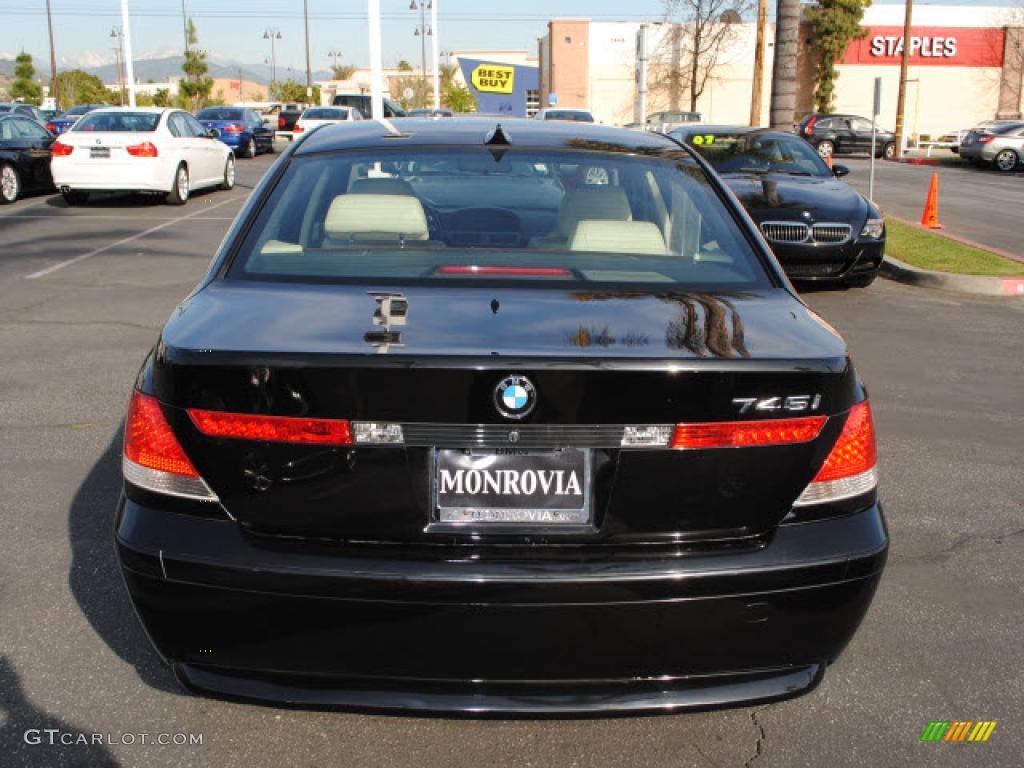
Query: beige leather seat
point(593, 202)
point(375, 218)
point(618, 237)
point(381, 186)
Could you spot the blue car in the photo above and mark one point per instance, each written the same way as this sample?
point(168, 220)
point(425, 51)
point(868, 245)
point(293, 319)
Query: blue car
point(61, 123)
point(241, 129)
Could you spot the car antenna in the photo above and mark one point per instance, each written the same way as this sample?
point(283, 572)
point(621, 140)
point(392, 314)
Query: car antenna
point(497, 137)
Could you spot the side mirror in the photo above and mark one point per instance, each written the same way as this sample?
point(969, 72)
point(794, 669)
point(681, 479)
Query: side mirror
point(212, 133)
point(840, 171)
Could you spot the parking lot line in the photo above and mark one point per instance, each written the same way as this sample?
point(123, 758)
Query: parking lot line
point(103, 249)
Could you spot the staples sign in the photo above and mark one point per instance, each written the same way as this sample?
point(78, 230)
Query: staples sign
point(935, 46)
point(494, 78)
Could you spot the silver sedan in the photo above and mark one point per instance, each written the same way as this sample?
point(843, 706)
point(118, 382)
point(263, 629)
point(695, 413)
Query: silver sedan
point(1001, 146)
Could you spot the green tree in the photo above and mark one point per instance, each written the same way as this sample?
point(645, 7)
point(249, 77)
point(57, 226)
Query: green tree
point(422, 91)
point(195, 88)
point(404, 66)
point(458, 98)
point(24, 87)
point(292, 90)
point(78, 87)
point(162, 98)
point(343, 71)
point(834, 25)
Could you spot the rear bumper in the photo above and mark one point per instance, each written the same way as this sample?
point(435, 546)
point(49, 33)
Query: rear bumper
point(245, 620)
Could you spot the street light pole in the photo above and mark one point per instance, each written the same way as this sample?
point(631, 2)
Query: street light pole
point(435, 60)
point(54, 82)
point(309, 71)
point(376, 66)
point(119, 54)
point(272, 34)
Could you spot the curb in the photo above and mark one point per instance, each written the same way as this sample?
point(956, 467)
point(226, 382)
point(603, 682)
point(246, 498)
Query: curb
point(981, 285)
point(963, 240)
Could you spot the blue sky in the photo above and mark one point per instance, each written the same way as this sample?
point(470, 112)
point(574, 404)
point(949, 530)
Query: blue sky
point(233, 29)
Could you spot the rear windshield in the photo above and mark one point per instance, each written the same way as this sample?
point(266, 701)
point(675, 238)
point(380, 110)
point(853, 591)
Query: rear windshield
point(325, 114)
point(119, 122)
point(509, 214)
point(81, 109)
point(220, 114)
point(758, 153)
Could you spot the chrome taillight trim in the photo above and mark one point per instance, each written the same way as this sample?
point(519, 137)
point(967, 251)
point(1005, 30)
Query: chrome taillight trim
point(837, 490)
point(166, 483)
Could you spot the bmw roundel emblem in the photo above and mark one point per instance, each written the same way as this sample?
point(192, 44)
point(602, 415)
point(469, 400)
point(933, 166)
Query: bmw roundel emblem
point(515, 396)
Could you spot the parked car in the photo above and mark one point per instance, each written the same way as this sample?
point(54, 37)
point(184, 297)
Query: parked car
point(30, 111)
point(314, 117)
point(440, 431)
point(669, 121)
point(287, 118)
point(24, 157)
point(1000, 146)
point(140, 149)
point(819, 227)
point(429, 112)
point(241, 129)
point(64, 121)
point(361, 101)
point(565, 113)
point(845, 135)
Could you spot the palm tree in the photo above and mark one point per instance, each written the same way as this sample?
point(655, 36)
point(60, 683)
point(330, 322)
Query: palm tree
point(787, 34)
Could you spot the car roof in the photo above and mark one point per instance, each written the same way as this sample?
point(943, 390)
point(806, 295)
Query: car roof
point(153, 110)
point(460, 131)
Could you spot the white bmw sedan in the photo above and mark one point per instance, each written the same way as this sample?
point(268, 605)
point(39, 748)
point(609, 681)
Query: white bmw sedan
point(140, 149)
point(314, 117)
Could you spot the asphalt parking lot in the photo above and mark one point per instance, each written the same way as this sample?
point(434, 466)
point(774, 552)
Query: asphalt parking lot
point(83, 293)
point(976, 203)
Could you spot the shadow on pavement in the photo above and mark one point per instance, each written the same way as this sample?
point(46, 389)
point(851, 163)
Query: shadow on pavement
point(26, 732)
point(95, 577)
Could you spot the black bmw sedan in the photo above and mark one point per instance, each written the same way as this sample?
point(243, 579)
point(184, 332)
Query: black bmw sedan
point(820, 228)
point(509, 419)
point(24, 157)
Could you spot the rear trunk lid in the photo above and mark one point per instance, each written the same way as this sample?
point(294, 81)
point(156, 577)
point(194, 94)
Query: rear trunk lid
point(430, 360)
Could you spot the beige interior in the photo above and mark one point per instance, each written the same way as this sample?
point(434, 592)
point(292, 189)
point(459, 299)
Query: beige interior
point(376, 217)
point(618, 237)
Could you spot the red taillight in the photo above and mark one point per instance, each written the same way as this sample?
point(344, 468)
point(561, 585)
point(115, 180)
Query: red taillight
point(51, 127)
point(232, 128)
point(473, 269)
point(298, 128)
point(739, 434)
point(849, 469)
point(149, 440)
point(985, 139)
point(279, 429)
point(280, 122)
point(809, 128)
point(145, 149)
point(854, 451)
point(60, 149)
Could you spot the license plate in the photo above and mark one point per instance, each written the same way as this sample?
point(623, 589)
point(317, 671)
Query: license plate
point(511, 486)
point(95, 152)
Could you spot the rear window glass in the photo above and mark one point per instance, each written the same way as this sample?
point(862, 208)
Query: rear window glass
point(564, 114)
point(510, 214)
point(220, 114)
point(325, 114)
point(119, 122)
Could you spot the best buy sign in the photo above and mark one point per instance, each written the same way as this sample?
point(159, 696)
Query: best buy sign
point(494, 78)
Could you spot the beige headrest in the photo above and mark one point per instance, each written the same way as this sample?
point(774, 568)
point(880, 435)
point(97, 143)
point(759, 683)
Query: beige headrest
point(376, 217)
point(618, 237)
point(381, 186)
point(596, 201)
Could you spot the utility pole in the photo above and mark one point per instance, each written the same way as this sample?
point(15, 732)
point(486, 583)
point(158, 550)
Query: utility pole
point(435, 54)
point(755, 100)
point(54, 83)
point(309, 71)
point(376, 64)
point(129, 65)
point(184, 25)
point(901, 100)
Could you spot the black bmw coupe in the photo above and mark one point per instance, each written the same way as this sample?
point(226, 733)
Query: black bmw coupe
point(25, 151)
point(821, 229)
point(511, 419)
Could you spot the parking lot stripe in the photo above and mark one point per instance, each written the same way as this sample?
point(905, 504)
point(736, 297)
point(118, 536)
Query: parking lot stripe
point(103, 249)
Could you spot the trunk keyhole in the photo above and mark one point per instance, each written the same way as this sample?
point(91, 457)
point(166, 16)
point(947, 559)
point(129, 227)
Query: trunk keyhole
point(495, 306)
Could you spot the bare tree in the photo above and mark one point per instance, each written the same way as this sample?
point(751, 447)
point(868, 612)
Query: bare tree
point(787, 36)
point(700, 33)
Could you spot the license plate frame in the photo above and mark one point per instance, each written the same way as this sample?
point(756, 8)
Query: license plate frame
point(453, 516)
point(99, 153)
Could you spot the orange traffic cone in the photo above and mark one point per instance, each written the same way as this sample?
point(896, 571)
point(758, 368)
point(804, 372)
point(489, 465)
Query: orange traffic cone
point(930, 217)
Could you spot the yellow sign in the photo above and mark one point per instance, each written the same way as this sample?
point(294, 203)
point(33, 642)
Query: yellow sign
point(494, 78)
